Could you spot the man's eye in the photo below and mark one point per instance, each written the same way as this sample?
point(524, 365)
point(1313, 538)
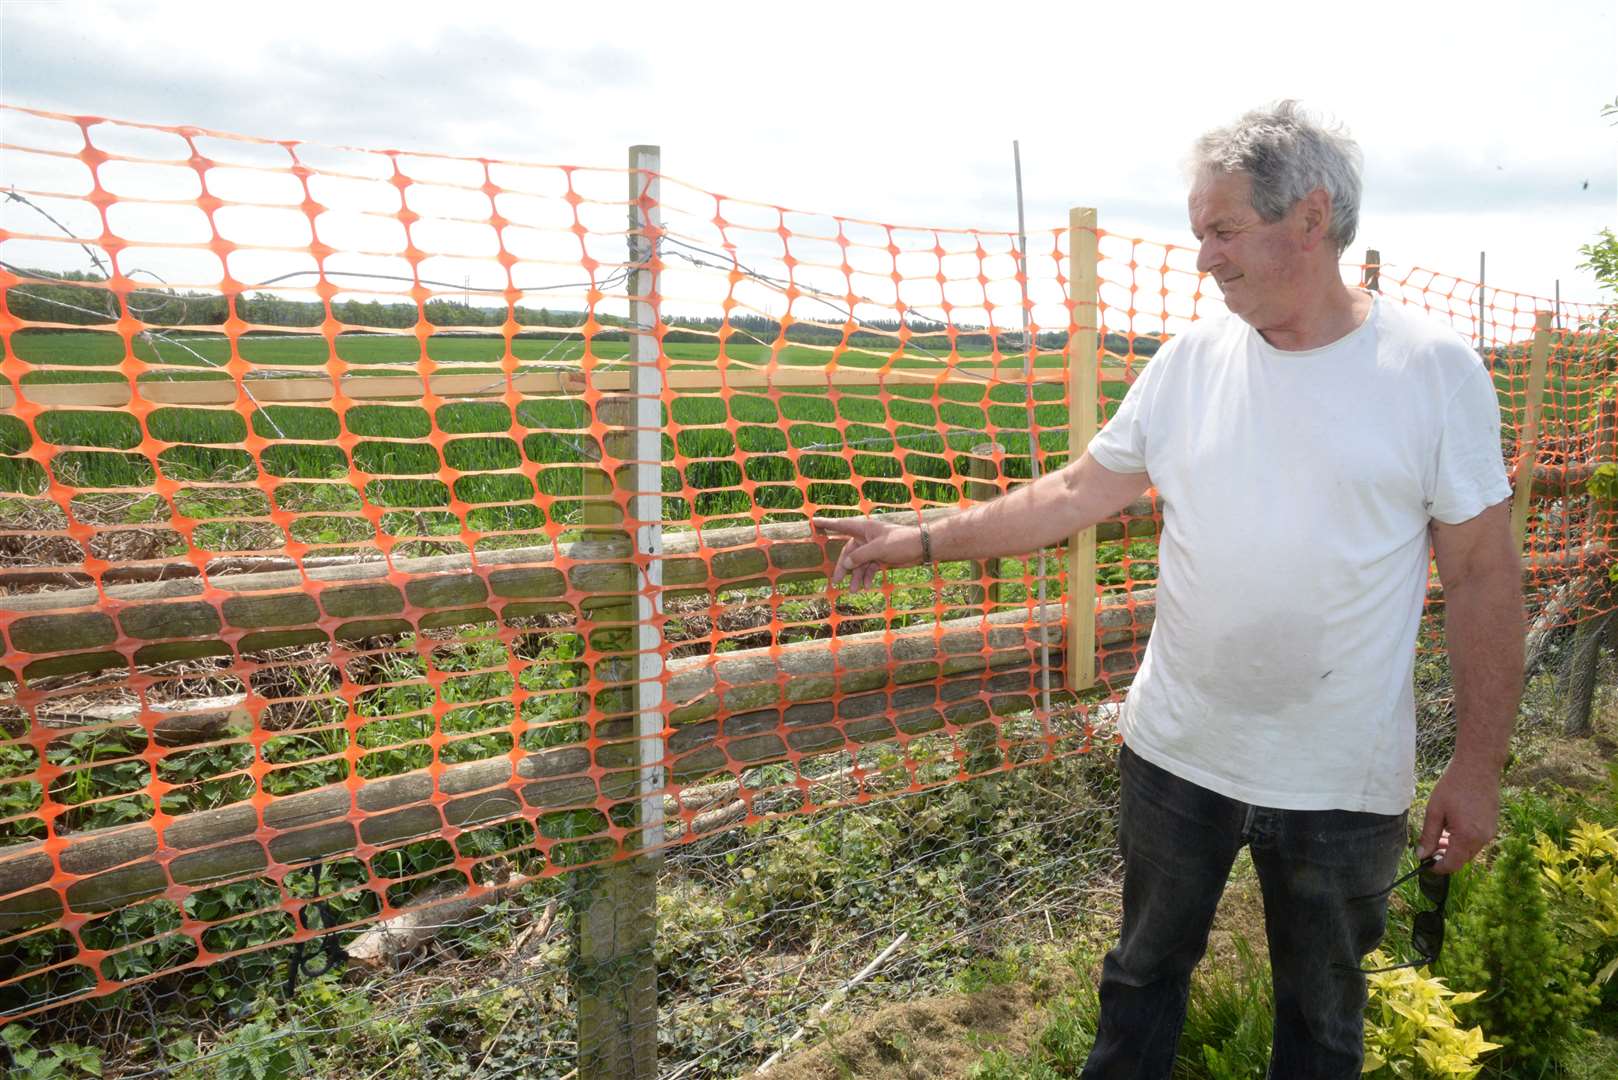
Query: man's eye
point(1224, 234)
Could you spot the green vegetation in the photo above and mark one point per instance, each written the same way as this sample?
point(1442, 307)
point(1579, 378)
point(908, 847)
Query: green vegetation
point(59, 1061)
point(781, 908)
point(1507, 942)
point(722, 456)
point(1520, 973)
point(197, 351)
point(1411, 1023)
point(755, 924)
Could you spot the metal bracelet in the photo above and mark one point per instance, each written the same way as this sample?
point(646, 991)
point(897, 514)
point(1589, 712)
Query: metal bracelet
point(926, 545)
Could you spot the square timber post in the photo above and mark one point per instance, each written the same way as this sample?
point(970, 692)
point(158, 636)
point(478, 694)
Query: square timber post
point(1083, 385)
point(617, 965)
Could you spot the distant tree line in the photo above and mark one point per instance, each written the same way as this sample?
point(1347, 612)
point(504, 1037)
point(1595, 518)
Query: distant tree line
point(82, 299)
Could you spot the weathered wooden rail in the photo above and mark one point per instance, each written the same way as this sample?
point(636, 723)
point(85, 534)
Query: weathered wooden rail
point(72, 630)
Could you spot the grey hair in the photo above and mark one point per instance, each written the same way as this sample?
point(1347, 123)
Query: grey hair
point(1288, 154)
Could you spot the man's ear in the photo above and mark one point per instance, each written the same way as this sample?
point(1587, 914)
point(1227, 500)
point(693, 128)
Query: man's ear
point(1314, 211)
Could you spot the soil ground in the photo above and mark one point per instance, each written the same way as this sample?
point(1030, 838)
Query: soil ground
point(938, 1038)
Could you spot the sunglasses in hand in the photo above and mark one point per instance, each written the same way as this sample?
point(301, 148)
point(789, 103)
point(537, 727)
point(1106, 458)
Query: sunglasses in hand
point(1427, 928)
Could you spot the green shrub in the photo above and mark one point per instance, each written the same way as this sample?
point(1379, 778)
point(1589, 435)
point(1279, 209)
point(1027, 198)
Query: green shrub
point(999, 969)
point(831, 865)
point(1533, 985)
point(692, 940)
point(1583, 879)
point(1411, 1028)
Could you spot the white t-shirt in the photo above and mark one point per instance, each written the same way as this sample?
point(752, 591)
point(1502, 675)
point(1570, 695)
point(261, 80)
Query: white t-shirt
point(1297, 488)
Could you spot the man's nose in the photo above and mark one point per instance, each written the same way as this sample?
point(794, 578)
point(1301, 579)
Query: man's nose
point(1207, 256)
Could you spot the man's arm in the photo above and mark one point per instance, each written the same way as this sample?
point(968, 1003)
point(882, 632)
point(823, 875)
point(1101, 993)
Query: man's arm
point(1482, 575)
point(1034, 516)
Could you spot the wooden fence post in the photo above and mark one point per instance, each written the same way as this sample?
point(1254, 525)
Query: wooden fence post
point(1084, 380)
point(1371, 272)
point(1538, 359)
point(616, 975)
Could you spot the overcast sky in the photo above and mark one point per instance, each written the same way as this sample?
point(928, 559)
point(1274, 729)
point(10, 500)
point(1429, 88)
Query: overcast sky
point(1480, 121)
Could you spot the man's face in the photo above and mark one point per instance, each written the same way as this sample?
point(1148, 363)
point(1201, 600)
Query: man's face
point(1256, 262)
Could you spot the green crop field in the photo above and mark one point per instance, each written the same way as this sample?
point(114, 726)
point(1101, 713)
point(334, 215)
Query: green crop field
point(189, 351)
point(793, 447)
point(1568, 404)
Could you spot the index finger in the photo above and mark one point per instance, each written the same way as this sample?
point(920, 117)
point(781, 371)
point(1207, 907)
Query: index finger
point(849, 526)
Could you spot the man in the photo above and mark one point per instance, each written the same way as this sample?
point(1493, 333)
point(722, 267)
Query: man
point(1306, 451)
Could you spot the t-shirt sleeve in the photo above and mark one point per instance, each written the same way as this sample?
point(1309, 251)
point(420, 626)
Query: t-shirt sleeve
point(1121, 443)
point(1471, 474)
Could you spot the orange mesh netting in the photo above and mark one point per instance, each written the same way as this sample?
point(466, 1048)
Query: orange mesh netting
point(379, 527)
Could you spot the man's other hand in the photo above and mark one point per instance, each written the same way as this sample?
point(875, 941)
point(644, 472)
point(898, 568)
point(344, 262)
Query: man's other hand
point(1462, 815)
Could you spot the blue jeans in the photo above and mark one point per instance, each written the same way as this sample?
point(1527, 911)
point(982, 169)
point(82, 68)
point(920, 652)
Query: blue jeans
point(1178, 842)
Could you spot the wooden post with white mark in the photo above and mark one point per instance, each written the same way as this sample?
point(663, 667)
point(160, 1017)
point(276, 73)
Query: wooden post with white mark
point(616, 976)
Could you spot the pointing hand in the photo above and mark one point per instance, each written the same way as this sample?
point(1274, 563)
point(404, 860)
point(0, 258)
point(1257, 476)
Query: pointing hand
point(872, 546)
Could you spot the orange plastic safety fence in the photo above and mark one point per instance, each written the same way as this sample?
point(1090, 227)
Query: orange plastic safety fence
point(336, 575)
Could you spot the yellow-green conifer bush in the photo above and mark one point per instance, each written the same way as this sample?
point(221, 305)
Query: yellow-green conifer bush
point(1534, 986)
